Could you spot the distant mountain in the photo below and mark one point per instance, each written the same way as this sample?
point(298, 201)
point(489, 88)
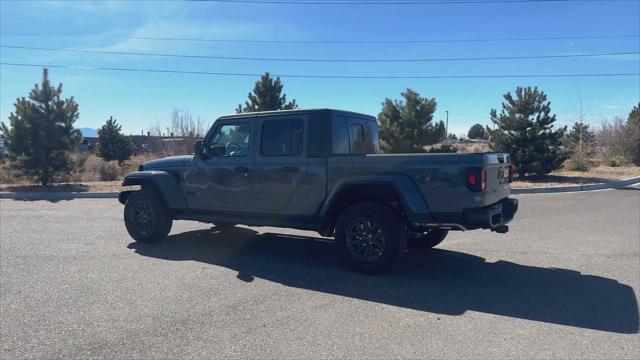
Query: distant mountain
point(89, 132)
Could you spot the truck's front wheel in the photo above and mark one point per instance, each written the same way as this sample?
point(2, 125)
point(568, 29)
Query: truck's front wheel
point(370, 237)
point(146, 216)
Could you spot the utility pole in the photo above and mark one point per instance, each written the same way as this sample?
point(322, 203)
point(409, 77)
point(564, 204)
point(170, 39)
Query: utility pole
point(446, 127)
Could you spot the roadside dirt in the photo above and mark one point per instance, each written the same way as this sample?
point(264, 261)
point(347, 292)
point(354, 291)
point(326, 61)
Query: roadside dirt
point(595, 175)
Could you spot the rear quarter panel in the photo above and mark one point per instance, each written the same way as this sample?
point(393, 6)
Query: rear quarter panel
point(440, 177)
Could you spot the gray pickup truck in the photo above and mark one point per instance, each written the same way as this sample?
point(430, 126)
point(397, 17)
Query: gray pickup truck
point(321, 170)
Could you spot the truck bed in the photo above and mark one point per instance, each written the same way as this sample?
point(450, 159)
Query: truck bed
point(440, 177)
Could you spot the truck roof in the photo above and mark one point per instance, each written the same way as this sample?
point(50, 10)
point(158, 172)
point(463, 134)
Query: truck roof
point(297, 111)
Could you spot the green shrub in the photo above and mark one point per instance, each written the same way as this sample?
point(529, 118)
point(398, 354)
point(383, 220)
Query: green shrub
point(615, 161)
point(443, 149)
point(578, 165)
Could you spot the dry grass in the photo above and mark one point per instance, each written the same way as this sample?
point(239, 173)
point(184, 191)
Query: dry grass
point(91, 179)
point(96, 175)
point(94, 169)
point(473, 148)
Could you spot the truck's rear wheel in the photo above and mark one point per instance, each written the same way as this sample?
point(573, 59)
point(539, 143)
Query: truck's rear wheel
point(426, 240)
point(146, 216)
point(370, 237)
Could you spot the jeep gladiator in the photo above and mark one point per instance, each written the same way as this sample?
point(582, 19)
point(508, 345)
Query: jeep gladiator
point(321, 170)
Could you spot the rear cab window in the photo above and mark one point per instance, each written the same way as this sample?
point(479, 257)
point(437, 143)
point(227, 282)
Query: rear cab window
point(355, 136)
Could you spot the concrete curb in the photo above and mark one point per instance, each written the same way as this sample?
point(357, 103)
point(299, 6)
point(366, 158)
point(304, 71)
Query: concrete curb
point(60, 196)
point(57, 196)
point(575, 188)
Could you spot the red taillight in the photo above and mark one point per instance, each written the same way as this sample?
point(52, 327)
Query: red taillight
point(477, 179)
point(472, 178)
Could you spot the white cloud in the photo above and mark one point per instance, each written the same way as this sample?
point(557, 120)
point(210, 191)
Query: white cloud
point(178, 29)
point(615, 107)
point(88, 6)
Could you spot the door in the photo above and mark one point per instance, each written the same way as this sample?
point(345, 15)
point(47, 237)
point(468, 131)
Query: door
point(223, 180)
point(280, 162)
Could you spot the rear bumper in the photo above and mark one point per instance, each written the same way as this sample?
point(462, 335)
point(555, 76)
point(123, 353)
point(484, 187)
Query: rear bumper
point(492, 216)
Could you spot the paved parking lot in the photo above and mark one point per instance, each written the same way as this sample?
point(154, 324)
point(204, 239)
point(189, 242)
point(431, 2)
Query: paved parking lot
point(563, 283)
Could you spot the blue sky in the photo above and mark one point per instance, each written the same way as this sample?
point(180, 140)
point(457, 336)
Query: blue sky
point(139, 99)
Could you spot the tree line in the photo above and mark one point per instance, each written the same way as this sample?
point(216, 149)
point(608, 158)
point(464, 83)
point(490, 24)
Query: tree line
point(41, 136)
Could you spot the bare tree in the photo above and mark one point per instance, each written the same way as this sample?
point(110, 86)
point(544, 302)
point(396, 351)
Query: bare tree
point(178, 136)
point(580, 141)
point(155, 139)
point(183, 125)
point(612, 138)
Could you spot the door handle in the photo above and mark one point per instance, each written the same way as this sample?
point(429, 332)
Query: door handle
point(290, 169)
point(241, 169)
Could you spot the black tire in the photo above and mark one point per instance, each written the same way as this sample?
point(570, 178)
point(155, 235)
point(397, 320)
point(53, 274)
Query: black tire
point(426, 240)
point(146, 216)
point(358, 232)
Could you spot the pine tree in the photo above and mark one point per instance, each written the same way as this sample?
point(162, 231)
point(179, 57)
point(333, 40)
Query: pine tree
point(524, 129)
point(112, 144)
point(407, 125)
point(267, 96)
point(580, 143)
point(477, 131)
point(40, 136)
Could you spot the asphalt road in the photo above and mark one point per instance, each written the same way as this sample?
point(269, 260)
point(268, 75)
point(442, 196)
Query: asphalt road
point(564, 283)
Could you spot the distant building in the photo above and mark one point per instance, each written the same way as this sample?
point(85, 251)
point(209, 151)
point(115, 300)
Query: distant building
point(88, 144)
point(143, 143)
point(163, 145)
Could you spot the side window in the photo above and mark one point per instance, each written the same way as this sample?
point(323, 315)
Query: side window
point(282, 137)
point(230, 140)
point(340, 136)
point(375, 138)
point(364, 137)
point(358, 144)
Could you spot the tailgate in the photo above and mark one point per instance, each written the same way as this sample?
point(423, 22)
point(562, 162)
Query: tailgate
point(497, 166)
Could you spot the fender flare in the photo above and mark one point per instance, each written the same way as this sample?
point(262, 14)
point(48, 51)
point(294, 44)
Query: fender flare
point(412, 200)
point(164, 182)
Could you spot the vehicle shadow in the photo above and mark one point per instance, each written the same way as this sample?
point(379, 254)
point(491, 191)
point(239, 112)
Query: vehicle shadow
point(438, 281)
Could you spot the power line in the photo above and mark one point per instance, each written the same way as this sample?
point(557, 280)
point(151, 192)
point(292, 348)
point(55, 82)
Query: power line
point(400, 2)
point(107, 52)
point(350, 42)
point(169, 71)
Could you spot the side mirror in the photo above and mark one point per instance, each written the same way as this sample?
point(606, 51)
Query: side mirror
point(200, 150)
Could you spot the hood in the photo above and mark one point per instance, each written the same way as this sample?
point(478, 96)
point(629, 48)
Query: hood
point(169, 162)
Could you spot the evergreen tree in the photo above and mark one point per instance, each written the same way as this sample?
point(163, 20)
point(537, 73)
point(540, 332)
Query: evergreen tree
point(407, 125)
point(40, 136)
point(267, 96)
point(580, 142)
point(524, 129)
point(633, 130)
point(112, 144)
point(477, 131)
